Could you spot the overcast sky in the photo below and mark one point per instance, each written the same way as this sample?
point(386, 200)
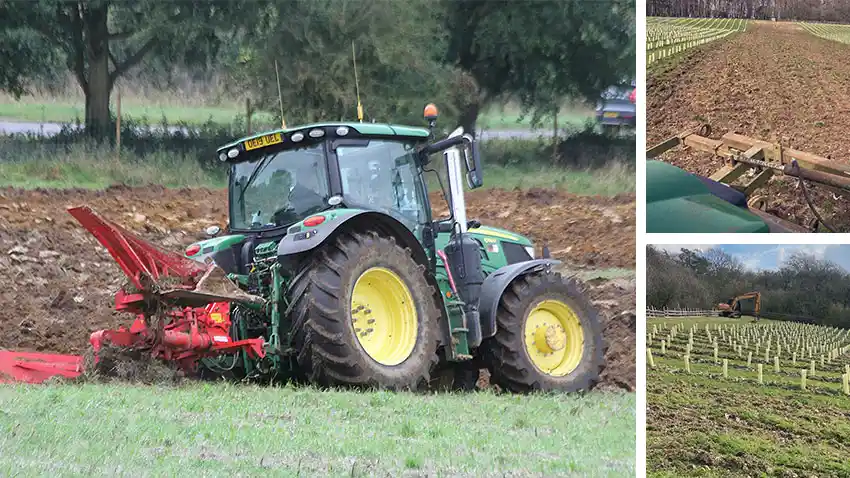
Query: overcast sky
point(771, 256)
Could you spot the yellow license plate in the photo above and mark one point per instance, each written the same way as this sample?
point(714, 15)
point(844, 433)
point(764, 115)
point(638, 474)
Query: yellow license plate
point(609, 115)
point(263, 141)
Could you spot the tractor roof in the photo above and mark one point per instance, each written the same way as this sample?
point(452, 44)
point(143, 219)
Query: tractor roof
point(364, 129)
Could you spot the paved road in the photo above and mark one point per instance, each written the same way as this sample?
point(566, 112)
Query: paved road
point(50, 129)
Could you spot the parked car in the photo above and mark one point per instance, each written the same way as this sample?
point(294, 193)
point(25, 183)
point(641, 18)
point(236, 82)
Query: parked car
point(616, 108)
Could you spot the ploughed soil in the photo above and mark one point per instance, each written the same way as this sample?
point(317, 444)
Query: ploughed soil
point(57, 283)
point(775, 82)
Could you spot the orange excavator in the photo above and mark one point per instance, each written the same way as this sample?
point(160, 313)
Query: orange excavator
point(732, 307)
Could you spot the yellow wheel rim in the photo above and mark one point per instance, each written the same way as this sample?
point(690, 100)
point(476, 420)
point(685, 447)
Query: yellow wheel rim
point(554, 338)
point(383, 316)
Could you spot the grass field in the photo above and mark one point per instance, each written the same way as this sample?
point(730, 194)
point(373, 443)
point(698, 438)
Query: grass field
point(49, 110)
point(233, 430)
point(703, 424)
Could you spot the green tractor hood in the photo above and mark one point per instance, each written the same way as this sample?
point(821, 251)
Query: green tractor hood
point(680, 202)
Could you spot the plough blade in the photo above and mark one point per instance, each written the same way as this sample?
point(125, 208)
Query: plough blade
point(30, 367)
point(214, 286)
point(138, 258)
point(145, 264)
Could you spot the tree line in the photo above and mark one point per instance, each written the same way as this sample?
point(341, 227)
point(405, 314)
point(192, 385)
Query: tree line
point(803, 286)
point(461, 54)
point(795, 10)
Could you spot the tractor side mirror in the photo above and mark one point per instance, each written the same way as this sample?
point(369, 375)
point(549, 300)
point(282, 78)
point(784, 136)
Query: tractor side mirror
point(472, 158)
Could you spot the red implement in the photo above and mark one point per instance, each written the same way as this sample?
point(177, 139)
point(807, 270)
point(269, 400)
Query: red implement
point(136, 257)
point(193, 309)
point(32, 367)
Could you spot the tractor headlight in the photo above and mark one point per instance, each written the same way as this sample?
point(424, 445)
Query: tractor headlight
point(530, 251)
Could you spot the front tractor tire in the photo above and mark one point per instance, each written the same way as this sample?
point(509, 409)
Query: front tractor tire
point(548, 337)
point(364, 315)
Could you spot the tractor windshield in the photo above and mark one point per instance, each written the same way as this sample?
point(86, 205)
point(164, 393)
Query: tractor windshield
point(279, 188)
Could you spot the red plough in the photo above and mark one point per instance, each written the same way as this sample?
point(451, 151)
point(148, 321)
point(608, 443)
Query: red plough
point(31, 367)
point(190, 301)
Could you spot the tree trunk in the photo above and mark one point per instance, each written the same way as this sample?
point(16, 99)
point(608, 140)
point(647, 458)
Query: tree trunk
point(468, 117)
point(98, 119)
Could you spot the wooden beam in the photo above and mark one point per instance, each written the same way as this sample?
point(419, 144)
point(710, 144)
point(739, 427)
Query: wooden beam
point(663, 147)
point(806, 160)
point(728, 173)
point(702, 143)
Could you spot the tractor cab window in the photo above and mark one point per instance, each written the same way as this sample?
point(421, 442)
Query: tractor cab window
point(279, 188)
point(382, 175)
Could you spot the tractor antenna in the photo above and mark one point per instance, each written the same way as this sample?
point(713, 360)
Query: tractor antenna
point(356, 85)
point(279, 96)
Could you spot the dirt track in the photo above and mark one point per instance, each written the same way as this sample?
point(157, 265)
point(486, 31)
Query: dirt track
point(774, 82)
point(58, 283)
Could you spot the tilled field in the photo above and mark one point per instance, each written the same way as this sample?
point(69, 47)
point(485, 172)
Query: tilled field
point(774, 82)
point(58, 283)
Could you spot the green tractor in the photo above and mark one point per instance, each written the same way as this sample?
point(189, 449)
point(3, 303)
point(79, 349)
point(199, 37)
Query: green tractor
point(334, 272)
point(333, 221)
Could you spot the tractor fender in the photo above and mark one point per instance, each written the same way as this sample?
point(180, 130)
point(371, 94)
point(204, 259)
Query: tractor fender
point(310, 238)
point(494, 286)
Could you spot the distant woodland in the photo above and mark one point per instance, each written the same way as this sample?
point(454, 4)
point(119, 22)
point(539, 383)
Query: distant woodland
point(804, 286)
point(806, 10)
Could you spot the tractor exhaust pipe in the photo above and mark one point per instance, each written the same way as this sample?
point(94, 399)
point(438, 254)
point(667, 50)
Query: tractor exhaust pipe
point(462, 251)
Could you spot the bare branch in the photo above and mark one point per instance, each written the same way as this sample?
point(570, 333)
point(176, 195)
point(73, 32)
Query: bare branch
point(133, 59)
point(121, 35)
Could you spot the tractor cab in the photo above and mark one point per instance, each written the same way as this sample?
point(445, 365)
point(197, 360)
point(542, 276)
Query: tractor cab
point(280, 178)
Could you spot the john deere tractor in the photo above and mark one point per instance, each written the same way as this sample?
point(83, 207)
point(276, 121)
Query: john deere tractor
point(333, 271)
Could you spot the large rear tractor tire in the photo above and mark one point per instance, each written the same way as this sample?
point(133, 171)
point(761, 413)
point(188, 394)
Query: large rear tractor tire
point(364, 315)
point(548, 337)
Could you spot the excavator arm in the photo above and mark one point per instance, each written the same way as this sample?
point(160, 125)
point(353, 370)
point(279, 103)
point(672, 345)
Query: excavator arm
point(756, 296)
